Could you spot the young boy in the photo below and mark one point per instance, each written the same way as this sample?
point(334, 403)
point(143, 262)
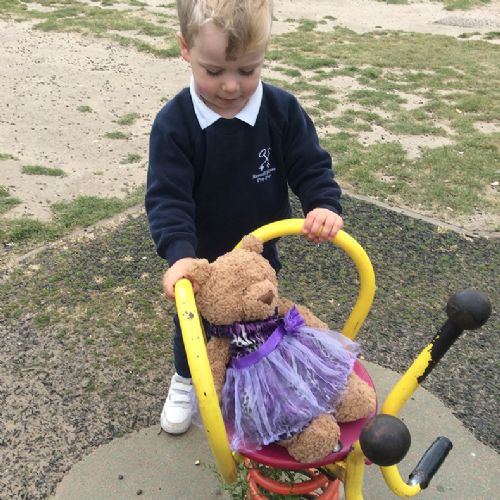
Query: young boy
point(222, 155)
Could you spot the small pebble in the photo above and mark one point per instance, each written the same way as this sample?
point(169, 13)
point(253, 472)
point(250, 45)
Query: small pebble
point(197, 462)
point(120, 477)
point(139, 492)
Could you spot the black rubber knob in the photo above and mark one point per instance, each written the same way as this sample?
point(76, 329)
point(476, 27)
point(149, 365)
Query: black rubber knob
point(468, 309)
point(385, 440)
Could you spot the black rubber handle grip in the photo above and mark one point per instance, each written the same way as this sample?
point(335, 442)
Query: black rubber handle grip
point(430, 462)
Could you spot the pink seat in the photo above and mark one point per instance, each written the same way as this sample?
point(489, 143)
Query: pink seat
point(276, 456)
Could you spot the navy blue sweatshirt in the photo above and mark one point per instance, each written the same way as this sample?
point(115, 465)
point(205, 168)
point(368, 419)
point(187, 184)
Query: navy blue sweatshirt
point(207, 188)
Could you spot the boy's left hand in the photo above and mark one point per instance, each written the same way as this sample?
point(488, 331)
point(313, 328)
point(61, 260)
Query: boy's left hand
point(322, 224)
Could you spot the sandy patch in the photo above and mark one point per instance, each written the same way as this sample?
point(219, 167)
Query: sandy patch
point(41, 124)
point(411, 101)
point(488, 127)
point(417, 16)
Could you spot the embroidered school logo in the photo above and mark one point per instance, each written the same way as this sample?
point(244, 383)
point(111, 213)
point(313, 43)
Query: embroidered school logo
point(264, 153)
point(265, 168)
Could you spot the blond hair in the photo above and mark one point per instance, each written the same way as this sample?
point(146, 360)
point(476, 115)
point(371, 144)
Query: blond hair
point(247, 23)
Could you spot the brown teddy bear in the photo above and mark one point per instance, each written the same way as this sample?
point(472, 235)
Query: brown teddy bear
point(280, 374)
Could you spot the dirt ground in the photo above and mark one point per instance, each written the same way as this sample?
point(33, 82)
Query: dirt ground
point(46, 76)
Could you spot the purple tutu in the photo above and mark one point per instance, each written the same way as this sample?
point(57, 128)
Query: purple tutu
point(296, 374)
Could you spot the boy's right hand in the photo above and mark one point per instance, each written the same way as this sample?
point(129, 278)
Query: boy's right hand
point(174, 273)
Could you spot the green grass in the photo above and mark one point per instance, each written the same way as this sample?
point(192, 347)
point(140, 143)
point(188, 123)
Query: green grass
point(441, 178)
point(376, 99)
point(453, 84)
point(84, 109)
point(26, 229)
point(7, 156)
point(239, 488)
point(492, 35)
point(6, 200)
point(131, 158)
point(116, 135)
point(86, 210)
point(127, 119)
point(40, 170)
point(463, 4)
point(81, 212)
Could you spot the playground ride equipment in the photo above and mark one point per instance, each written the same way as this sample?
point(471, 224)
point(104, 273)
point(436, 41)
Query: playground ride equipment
point(382, 440)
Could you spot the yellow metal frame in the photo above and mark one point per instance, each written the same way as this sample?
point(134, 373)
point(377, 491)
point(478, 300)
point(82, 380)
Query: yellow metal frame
point(350, 470)
point(203, 382)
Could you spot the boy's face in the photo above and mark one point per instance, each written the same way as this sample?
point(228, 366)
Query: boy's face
point(225, 86)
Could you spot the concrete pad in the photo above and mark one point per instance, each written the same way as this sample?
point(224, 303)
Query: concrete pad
point(159, 466)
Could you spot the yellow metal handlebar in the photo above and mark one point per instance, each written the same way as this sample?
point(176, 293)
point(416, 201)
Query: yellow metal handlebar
point(398, 396)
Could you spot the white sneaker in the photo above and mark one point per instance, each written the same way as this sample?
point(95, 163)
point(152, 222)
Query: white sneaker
point(176, 414)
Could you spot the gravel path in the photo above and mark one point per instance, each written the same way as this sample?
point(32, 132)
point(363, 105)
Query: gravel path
point(86, 333)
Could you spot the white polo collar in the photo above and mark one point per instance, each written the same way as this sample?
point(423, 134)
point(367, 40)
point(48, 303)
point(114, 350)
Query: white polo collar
point(207, 116)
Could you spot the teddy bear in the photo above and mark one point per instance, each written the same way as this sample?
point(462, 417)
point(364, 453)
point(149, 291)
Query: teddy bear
point(280, 375)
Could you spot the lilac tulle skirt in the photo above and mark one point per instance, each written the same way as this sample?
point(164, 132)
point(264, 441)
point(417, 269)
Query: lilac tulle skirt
point(296, 375)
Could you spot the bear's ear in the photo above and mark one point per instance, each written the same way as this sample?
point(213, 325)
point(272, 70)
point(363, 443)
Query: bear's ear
point(199, 271)
point(252, 244)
